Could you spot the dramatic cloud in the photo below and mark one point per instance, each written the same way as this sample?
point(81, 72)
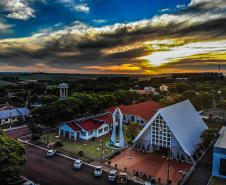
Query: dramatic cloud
point(4, 27)
point(17, 9)
point(82, 8)
point(163, 43)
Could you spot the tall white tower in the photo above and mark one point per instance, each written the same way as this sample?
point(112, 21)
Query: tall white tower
point(63, 90)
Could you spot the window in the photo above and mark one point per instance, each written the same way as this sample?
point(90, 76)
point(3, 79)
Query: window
point(124, 117)
point(222, 167)
point(105, 129)
point(132, 118)
point(72, 135)
point(90, 133)
point(83, 133)
point(61, 132)
point(100, 131)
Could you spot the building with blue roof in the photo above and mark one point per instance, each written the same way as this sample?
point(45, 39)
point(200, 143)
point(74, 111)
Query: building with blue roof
point(12, 115)
point(219, 155)
point(177, 128)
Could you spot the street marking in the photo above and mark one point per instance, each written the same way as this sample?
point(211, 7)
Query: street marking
point(71, 158)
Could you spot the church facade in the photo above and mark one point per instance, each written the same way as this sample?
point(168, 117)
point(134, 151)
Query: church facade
point(177, 128)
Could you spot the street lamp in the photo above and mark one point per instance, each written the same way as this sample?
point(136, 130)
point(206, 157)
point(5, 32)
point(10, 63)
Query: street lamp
point(130, 153)
point(102, 149)
point(168, 166)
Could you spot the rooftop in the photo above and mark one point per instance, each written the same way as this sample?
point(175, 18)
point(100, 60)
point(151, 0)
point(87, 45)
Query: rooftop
point(145, 110)
point(221, 142)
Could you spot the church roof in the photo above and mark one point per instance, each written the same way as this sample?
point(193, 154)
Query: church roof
point(184, 122)
point(145, 110)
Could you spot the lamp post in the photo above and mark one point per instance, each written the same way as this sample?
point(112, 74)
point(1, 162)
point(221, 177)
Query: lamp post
point(168, 166)
point(102, 149)
point(130, 153)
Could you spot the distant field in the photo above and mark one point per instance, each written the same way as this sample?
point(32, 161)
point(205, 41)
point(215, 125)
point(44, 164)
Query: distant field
point(60, 76)
point(4, 83)
point(52, 77)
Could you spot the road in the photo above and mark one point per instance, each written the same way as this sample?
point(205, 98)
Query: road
point(58, 170)
point(203, 170)
point(18, 132)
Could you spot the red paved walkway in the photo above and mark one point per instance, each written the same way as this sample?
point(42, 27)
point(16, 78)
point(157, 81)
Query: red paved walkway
point(153, 164)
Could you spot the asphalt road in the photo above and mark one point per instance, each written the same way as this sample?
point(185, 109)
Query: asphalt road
point(58, 170)
point(18, 132)
point(203, 170)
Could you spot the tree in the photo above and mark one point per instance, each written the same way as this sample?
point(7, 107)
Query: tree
point(221, 104)
point(12, 159)
point(132, 130)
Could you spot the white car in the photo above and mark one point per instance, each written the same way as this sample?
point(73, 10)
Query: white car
point(29, 183)
point(77, 164)
point(51, 153)
point(98, 171)
point(112, 176)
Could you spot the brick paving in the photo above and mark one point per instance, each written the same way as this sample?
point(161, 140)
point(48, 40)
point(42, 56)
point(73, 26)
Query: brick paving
point(153, 164)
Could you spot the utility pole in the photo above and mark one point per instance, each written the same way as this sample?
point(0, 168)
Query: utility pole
point(168, 169)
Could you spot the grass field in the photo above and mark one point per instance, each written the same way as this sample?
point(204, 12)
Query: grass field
point(91, 149)
point(4, 83)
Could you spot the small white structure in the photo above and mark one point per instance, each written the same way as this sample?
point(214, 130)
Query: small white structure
point(63, 90)
point(117, 120)
point(163, 88)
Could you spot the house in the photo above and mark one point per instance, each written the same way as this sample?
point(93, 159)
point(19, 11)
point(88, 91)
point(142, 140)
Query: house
point(140, 113)
point(177, 128)
point(219, 155)
point(86, 128)
point(147, 91)
point(13, 114)
point(163, 88)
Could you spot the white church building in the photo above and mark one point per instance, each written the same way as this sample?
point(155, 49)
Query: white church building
point(177, 128)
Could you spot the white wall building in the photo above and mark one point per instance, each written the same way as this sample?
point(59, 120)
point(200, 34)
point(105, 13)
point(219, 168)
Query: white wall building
point(86, 128)
point(178, 128)
point(139, 113)
point(12, 115)
point(163, 88)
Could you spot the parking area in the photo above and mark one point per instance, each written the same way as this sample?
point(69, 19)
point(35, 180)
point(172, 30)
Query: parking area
point(58, 170)
point(152, 164)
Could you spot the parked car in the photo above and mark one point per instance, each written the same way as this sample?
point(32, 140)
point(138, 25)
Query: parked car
point(98, 171)
point(122, 178)
point(51, 153)
point(147, 183)
point(112, 176)
point(29, 183)
point(77, 164)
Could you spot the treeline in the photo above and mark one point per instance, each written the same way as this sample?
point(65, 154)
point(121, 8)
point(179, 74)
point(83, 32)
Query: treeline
point(199, 76)
point(80, 104)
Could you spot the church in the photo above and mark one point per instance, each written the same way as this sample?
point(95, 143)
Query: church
point(177, 128)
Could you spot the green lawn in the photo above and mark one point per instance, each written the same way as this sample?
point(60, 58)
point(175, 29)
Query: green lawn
point(92, 149)
point(217, 181)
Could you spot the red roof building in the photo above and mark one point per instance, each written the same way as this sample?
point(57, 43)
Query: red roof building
point(73, 126)
point(144, 110)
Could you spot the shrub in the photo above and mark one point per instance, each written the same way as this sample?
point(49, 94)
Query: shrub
point(35, 137)
point(81, 153)
point(58, 144)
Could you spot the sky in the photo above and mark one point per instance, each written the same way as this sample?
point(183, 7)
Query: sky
point(113, 36)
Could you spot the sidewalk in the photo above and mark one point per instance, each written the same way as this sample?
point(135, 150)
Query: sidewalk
point(108, 168)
